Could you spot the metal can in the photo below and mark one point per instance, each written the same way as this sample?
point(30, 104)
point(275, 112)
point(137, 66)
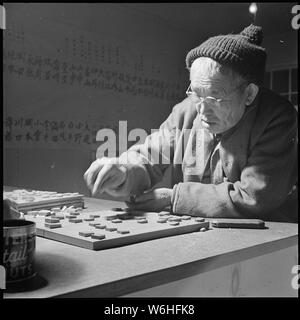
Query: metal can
point(19, 249)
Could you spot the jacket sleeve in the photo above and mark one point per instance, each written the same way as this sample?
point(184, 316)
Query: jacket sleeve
point(147, 162)
point(265, 181)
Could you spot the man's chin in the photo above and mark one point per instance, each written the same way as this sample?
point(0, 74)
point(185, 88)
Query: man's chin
point(212, 127)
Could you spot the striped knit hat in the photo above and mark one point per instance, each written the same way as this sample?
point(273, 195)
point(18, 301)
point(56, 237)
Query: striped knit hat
point(241, 52)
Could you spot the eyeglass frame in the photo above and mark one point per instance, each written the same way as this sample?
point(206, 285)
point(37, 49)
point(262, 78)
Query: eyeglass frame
point(215, 100)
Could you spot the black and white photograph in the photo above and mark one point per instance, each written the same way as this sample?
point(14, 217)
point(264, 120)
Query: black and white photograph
point(150, 150)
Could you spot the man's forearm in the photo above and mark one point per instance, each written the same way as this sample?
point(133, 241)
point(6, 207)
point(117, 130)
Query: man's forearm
point(207, 200)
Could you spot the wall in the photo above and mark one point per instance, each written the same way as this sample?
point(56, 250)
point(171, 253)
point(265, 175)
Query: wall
point(72, 69)
point(282, 50)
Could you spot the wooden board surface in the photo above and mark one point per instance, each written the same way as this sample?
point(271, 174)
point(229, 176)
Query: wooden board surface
point(137, 232)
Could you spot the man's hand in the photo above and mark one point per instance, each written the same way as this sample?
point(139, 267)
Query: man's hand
point(106, 175)
point(154, 200)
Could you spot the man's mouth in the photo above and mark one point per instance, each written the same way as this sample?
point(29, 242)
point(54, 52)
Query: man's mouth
point(207, 121)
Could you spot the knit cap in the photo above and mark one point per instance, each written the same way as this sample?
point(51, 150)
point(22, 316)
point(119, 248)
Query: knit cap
point(241, 52)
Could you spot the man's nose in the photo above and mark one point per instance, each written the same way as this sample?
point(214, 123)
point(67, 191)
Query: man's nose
point(203, 107)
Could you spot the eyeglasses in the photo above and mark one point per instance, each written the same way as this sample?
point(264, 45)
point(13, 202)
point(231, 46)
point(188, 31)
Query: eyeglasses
point(211, 100)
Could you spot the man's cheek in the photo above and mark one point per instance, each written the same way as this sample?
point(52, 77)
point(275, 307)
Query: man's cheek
point(222, 117)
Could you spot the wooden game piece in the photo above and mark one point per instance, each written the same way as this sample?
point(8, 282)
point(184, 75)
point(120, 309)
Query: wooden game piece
point(138, 218)
point(173, 223)
point(52, 225)
point(52, 220)
point(88, 219)
point(75, 213)
point(76, 220)
point(142, 221)
point(239, 223)
point(203, 229)
point(44, 212)
point(124, 216)
point(162, 214)
point(55, 209)
point(185, 217)
point(100, 226)
point(162, 220)
point(199, 219)
point(111, 217)
point(111, 228)
point(85, 233)
point(59, 216)
point(116, 221)
point(123, 231)
point(178, 219)
point(98, 236)
point(94, 215)
point(94, 224)
point(64, 208)
point(71, 216)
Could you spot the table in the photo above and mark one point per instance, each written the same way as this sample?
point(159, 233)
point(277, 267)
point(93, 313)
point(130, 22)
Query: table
point(221, 260)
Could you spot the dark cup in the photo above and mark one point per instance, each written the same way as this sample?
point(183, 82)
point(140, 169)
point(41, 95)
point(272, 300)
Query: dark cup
point(19, 249)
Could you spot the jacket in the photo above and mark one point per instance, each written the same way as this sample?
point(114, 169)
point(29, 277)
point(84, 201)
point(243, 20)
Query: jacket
point(254, 172)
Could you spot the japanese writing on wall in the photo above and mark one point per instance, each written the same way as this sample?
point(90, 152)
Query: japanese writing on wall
point(28, 131)
point(38, 131)
point(36, 67)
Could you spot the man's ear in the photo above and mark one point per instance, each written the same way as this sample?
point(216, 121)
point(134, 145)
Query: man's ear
point(251, 93)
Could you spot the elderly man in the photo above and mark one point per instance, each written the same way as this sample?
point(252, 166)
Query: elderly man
point(238, 142)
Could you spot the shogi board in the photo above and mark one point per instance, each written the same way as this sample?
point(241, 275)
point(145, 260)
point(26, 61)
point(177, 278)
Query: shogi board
point(137, 232)
point(25, 200)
